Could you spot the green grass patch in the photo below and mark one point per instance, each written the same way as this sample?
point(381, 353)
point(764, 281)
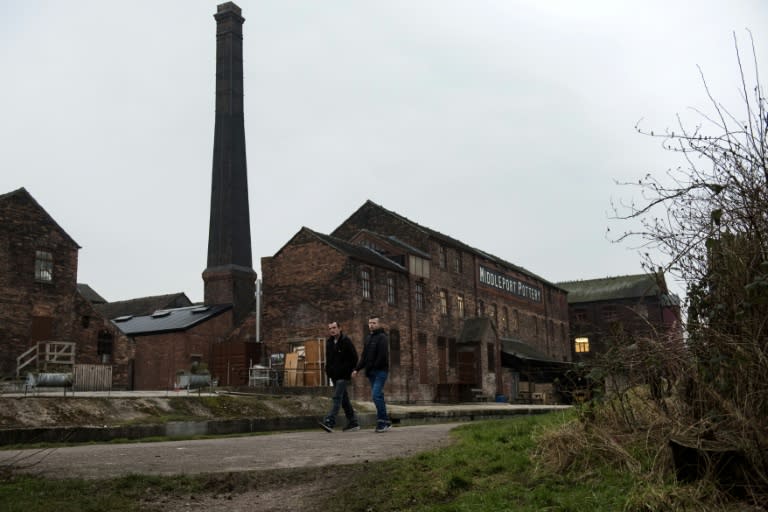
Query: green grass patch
point(488, 468)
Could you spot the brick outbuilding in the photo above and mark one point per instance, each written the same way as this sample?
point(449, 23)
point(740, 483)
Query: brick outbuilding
point(39, 297)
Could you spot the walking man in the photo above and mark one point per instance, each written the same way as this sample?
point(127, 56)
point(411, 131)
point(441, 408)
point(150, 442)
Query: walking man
point(375, 360)
point(340, 360)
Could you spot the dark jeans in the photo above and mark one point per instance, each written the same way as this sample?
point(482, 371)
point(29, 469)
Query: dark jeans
point(377, 379)
point(340, 400)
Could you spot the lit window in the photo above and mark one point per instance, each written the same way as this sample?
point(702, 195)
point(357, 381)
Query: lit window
point(43, 266)
point(460, 305)
point(443, 302)
point(391, 296)
point(581, 345)
point(419, 296)
point(365, 280)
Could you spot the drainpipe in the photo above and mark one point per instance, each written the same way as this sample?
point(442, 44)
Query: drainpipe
point(258, 310)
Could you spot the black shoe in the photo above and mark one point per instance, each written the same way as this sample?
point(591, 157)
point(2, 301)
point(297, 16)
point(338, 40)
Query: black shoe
point(351, 427)
point(326, 426)
point(385, 427)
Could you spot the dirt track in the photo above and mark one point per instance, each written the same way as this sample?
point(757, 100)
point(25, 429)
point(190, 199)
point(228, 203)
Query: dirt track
point(283, 450)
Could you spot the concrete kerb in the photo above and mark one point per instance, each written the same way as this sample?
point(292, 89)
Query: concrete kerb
point(403, 415)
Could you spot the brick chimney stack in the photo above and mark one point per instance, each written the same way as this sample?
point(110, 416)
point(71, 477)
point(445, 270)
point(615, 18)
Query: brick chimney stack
point(229, 276)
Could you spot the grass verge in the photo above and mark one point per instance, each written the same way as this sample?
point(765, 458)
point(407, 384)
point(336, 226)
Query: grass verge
point(492, 466)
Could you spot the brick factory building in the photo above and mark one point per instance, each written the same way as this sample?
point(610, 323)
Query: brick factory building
point(430, 291)
point(606, 310)
point(43, 315)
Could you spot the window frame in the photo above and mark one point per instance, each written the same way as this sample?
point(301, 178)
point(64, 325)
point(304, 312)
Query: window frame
point(365, 284)
point(43, 266)
point(444, 302)
point(391, 290)
point(581, 345)
point(419, 300)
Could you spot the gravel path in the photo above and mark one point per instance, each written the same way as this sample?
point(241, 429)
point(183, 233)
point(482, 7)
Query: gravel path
point(281, 450)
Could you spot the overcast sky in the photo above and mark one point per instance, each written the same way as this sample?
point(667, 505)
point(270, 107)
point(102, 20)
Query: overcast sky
point(503, 124)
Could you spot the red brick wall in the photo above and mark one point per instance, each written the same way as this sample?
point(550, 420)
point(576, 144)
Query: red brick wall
point(308, 283)
point(605, 321)
point(160, 356)
point(33, 311)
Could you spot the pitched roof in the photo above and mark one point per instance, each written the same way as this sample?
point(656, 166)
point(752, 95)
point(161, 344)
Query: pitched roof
point(391, 239)
point(613, 288)
point(142, 305)
point(523, 351)
point(24, 194)
point(358, 252)
point(90, 294)
point(168, 320)
point(453, 242)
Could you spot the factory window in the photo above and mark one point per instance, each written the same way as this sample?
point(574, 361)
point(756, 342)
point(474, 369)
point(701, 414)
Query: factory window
point(365, 281)
point(460, 305)
point(104, 344)
point(418, 266)
point(391, 291)
point(581, 345)
point(457, 263)
point(580, 316)
point(610, 314)
point(43, 266)
point(443, 302)
point(420, 296)
point(442, 256)
point(505, 319)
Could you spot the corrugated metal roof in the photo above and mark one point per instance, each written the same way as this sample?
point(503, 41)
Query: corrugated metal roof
point(168, 320)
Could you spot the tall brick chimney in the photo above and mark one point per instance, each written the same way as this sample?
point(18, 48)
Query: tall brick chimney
point(229, 277)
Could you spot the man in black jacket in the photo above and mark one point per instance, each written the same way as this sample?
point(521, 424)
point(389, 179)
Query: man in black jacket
point(375, 360)
point(340, 360)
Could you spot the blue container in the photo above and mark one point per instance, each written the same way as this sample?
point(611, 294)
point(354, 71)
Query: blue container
point(501, 398)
